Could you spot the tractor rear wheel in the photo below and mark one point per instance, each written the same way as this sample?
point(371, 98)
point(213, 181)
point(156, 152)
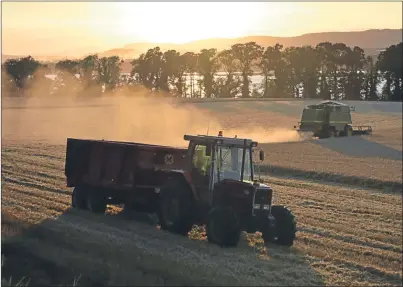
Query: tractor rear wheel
point(174, 212)
point(79, 197)
point(223, 226)
point(96, 203)
point(285, 227)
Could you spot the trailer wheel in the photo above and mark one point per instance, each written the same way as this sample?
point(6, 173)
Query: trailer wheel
point(285, 227)
point(223, 227)
point(79, 198)
point(96, 202)
point(174, 211)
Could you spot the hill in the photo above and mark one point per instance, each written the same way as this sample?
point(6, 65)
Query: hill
point(372, 41)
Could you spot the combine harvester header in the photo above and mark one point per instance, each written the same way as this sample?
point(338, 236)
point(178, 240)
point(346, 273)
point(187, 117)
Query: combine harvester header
point(330, 119)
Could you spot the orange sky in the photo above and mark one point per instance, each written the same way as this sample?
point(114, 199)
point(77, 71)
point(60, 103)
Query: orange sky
point(52, 28)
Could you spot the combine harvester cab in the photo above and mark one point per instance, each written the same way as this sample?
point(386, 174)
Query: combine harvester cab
point(330, 119)
point(211, 183)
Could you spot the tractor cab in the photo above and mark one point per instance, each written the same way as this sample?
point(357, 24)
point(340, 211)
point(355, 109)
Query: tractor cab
point(218, 159)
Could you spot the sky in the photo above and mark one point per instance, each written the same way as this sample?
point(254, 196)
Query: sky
point(56, 27)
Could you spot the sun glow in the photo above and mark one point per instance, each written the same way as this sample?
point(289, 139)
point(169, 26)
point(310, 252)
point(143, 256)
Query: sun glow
point(187, 21)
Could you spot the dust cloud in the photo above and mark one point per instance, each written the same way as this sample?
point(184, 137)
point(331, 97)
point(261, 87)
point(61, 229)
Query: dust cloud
point(135, 116)
point(271, 135)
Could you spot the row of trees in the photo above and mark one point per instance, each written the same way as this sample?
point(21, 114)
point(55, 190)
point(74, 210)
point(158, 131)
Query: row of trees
point(327, 71)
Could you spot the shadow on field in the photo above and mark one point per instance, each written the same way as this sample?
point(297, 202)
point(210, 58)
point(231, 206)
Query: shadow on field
point(359, 146)
point(83, 249)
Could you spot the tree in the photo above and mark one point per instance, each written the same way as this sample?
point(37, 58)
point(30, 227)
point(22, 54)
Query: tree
point(148, 68)
point(87, 70)
point(179, 79)
point(310, 65)
point(246, 54)
point(69, 66)
point(354, 62)
point(169, 70)
point(227, 87)
point(371, 80)
point(208, 66)
point(390, 65)
point(109, 72)
point(327, 66)
point(66, 79)
point(191, 68)
point(293, 69)
point(269, 62)
point(21, 69)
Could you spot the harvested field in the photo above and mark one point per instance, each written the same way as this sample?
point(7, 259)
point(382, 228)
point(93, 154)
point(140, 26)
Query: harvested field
point(377, 157)
point(357, 242)
point(347, 235)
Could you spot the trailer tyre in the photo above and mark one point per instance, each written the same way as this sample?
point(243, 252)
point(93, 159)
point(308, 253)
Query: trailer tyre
point(79, 198)
point(223, 227)
point(96, 202)
point(174, 212)
point(285, 227)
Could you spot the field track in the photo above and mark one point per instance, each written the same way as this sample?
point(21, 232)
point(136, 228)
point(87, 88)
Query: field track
point(346, 236)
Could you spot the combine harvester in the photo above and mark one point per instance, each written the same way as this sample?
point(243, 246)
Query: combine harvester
point(211, 183)
point(330, 119)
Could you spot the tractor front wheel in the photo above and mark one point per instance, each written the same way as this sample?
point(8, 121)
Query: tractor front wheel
point(285, 227)
point(223, 226)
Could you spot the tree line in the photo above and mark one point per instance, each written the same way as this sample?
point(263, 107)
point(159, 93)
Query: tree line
point(326, 71)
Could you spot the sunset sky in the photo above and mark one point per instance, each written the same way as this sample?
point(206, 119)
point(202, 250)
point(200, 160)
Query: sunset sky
point(52, 28)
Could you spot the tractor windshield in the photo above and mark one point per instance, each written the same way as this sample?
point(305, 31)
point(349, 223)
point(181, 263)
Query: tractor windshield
point(229, 163)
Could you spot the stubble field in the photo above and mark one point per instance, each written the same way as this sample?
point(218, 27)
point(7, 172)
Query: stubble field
point(347, 234)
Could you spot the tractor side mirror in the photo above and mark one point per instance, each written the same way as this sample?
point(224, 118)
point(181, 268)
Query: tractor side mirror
point(261, 155)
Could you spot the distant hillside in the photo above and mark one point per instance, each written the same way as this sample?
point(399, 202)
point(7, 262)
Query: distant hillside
point(372, 41)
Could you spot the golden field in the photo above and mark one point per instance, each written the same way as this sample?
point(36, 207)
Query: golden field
point(347, 235)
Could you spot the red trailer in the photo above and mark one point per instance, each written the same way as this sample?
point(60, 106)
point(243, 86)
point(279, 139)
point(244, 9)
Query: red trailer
point(212, 182)
point(121, 172)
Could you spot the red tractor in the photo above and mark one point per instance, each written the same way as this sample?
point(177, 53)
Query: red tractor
point(211, 183)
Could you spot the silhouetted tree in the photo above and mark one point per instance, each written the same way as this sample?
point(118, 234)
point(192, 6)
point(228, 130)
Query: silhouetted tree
point(227, 87)
point(270, 58)
point(371, 80)
point(390, 65)
point(246, 54)
point(108, 72)
point(66, 80)
point(293, 69)
point(191, 68)
point(21, 69)
point(170, 66)
point(88, 69)
point(327, 71)
point(208, 65)
point(327, 67)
